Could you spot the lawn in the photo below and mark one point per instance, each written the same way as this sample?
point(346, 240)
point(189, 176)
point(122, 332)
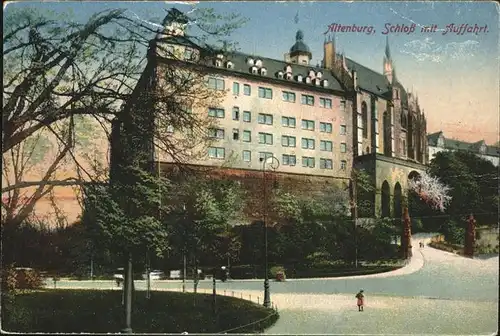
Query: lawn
point(101, 311)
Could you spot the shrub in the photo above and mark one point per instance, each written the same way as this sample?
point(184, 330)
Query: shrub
point(9, 278)
point(275, 269)
point(417, 225)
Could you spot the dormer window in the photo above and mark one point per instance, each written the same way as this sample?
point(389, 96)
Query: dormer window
point(308, 80)
point(258, 63)
point(254, 70)
point(263, 71)
point(325, 83)
point(289, 76)
point(220, 56)
point(299, 78)
point(280, 74)
point(250, 61)
point(317, 82)
point(312, 74)
point(319, 74)
point(288, 69)
point(230, 65)
point(218, 63)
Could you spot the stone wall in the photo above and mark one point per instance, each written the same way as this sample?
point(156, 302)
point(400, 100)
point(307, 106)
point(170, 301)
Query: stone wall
point(253, 183)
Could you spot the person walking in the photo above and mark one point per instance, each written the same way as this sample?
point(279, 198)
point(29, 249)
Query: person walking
point(361, 300)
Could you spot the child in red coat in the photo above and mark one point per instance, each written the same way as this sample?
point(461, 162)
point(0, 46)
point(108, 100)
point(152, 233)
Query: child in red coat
point(361, 300)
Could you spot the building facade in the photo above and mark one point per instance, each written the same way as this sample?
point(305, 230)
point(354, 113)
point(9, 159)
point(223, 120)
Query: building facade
point(319, 121)
point(438, 143)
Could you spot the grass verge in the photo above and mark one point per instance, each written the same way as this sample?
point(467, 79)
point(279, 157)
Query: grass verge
point(101, 311)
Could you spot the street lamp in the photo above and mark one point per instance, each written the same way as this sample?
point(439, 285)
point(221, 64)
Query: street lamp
point(274, 164)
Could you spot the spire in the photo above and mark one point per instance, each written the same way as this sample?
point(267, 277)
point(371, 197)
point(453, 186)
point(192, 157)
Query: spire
point(387, 50)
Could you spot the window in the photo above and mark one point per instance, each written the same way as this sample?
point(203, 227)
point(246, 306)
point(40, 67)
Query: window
point(325, 102)
point(265, 93)
point(343, 129)
point(217, 133)
point(216, 152)
point(188, 54)
point(342, 106)
point(325, 164)
point(265, 138)
point(289, 96)
point(266, 119)
point(288, 160)
point(215, 83)
point(236, 134)
point(236, 113)
point(216, 112)
point(343, 165)
point(308, 125)
point(325, 127)
point(236, 88)
point(343, 147)
point(255, 70)
point(308, 162)
point(307, 143)
point(247, 155)
point(326, 146)
point(364, 119)
point(288, 141)
point(247, 90)
point(288, 122)
point(247, 136)
point(247, 116)
point(307, 100)
point(265, 155)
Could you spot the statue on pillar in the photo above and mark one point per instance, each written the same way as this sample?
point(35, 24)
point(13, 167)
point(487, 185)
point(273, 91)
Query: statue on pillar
point(406, 235)
point(470, 237)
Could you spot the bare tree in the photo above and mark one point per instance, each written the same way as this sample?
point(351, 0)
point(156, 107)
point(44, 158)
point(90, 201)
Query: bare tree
point(57, 70)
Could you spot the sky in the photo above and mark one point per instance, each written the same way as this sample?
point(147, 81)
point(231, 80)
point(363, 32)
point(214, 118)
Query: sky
point(456, 76)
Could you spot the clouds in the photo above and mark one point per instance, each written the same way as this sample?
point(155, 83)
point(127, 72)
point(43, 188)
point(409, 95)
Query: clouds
point(428, 50)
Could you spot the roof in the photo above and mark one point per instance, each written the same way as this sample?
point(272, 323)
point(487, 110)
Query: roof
point(300, 46)
point(433, 138)
point(273, 66)
point(370, 80)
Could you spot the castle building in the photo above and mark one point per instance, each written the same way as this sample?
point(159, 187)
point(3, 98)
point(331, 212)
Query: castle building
point(438, 143)
point(319, 120)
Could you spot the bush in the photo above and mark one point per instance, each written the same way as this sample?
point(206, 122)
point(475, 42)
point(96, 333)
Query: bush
point(417, 225)
point(275, 270)
point(9, 278)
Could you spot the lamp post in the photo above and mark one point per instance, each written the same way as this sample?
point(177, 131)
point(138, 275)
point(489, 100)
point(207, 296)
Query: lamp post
point(274, 164)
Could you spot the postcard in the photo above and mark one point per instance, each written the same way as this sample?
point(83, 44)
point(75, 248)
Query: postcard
point(238, 167)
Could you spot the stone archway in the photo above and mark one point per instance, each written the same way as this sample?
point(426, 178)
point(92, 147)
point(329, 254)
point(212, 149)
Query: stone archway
point(386, 200)
point(398, 201)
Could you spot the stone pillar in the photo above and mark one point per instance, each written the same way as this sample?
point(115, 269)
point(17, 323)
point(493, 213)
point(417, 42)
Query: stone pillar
point(406, 235)
point(470, 237)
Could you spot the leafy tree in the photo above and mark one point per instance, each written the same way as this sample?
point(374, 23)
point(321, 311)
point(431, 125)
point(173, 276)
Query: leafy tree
point(202, 211)
point(474, 184)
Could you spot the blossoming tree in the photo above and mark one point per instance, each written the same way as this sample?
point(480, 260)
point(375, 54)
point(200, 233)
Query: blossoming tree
point(430, 190)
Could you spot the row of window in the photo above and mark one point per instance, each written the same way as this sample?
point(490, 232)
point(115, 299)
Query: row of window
point(286, 159)
point(267, 119)
point(286, 140)
point(267, 93)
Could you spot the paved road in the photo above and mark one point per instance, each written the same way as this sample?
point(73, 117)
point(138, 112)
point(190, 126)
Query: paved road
point(437, 293)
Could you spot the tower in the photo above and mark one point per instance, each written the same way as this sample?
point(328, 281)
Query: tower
point(300, 52)
point(174, 23)
point(329, 52)
point(388, 66)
